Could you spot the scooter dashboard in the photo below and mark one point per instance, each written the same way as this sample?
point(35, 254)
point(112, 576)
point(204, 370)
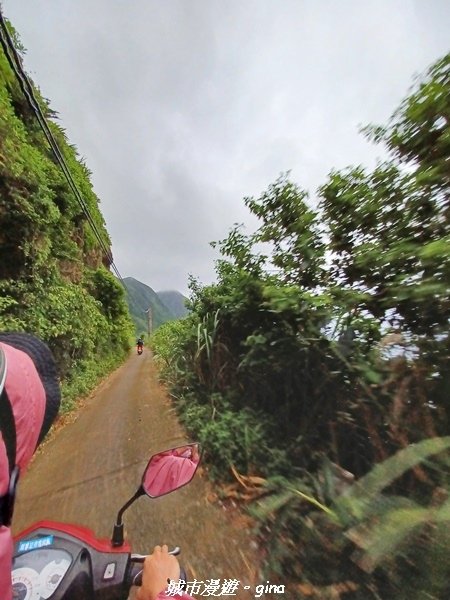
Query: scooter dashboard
point(66, 562)
point(37, 573)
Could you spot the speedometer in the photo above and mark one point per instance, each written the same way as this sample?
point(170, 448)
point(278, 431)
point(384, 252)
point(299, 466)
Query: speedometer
point(51, 576)
point(25, 584)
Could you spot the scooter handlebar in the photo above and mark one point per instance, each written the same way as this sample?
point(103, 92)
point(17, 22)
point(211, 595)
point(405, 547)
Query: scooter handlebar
point(137, 569)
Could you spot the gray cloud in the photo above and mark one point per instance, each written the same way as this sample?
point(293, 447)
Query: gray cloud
point(183, 108)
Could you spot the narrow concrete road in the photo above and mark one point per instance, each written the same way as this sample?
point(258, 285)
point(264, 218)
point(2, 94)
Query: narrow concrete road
point(90, 467)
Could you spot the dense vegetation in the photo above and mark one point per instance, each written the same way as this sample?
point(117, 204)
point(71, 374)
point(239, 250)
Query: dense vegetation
point(54, 276)
point(322, 353)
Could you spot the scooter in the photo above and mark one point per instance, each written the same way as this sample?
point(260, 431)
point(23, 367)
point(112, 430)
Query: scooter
point(61, 561)
point(140, 349)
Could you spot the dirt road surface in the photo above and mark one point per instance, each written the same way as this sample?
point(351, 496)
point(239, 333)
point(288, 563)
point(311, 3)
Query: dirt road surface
point(90, 467)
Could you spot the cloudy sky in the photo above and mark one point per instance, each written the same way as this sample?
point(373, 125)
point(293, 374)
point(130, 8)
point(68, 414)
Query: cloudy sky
point(182, 108)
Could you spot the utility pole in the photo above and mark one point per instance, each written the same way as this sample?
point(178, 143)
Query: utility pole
point(149, 320)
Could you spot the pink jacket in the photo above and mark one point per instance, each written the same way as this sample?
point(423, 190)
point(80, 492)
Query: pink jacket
point(27, 397)
point(183, 596)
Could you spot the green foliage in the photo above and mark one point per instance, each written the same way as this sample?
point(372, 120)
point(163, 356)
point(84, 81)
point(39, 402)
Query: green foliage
point(358, 502)
point(326, 336)
point(293, 231)
point(371, 536)
point(54, 277)
point(230, 439)
point(166, 343)
point(388, 234)
point(83, 376)
point(418, 131)
point(389, 230)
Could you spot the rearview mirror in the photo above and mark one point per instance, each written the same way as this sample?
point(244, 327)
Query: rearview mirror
point(166, 472)
point(170, 470)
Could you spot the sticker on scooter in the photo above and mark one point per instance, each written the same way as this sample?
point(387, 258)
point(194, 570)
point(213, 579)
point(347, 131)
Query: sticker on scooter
point(40, 542)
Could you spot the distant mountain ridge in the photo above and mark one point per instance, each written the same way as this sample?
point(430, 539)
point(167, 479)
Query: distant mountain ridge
point(141, 296)
point(175, 302)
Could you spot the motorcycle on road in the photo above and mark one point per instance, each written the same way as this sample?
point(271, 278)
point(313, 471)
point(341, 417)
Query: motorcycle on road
point(62, 561)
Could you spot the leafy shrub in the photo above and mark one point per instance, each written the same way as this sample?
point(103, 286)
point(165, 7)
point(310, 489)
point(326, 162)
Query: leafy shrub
point(383, 545)
point(288, 355)
point(232, 439)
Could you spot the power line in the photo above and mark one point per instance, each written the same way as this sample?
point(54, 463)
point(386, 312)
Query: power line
point(27, 89)
point(29, 95)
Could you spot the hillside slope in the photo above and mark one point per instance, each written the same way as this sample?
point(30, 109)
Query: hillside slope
point(140, 297)
point(175, 302)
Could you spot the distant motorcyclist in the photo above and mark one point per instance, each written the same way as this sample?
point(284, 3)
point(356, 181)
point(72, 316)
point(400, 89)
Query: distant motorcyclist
point(140, 345)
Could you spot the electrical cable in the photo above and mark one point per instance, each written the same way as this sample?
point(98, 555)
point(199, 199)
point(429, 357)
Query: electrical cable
point(27, 89)
point(29, 94)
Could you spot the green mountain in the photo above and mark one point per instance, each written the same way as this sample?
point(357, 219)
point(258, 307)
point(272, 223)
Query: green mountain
point(140, 298)
point(175, 302)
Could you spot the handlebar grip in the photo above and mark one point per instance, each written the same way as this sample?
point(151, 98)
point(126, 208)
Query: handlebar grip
point(135, 577)
point(138, 578)
point(137, 570)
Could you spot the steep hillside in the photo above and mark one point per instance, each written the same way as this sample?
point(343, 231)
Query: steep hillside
point(54, 272)
point(175, 302)
point(140, 297)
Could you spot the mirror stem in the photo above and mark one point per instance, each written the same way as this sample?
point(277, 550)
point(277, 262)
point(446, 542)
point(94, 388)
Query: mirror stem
point(117, 536)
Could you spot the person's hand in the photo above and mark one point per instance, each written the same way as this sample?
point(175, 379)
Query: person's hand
point(158, 568)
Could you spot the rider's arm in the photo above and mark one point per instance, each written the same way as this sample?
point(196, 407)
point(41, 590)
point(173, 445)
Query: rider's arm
point(158, 568)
